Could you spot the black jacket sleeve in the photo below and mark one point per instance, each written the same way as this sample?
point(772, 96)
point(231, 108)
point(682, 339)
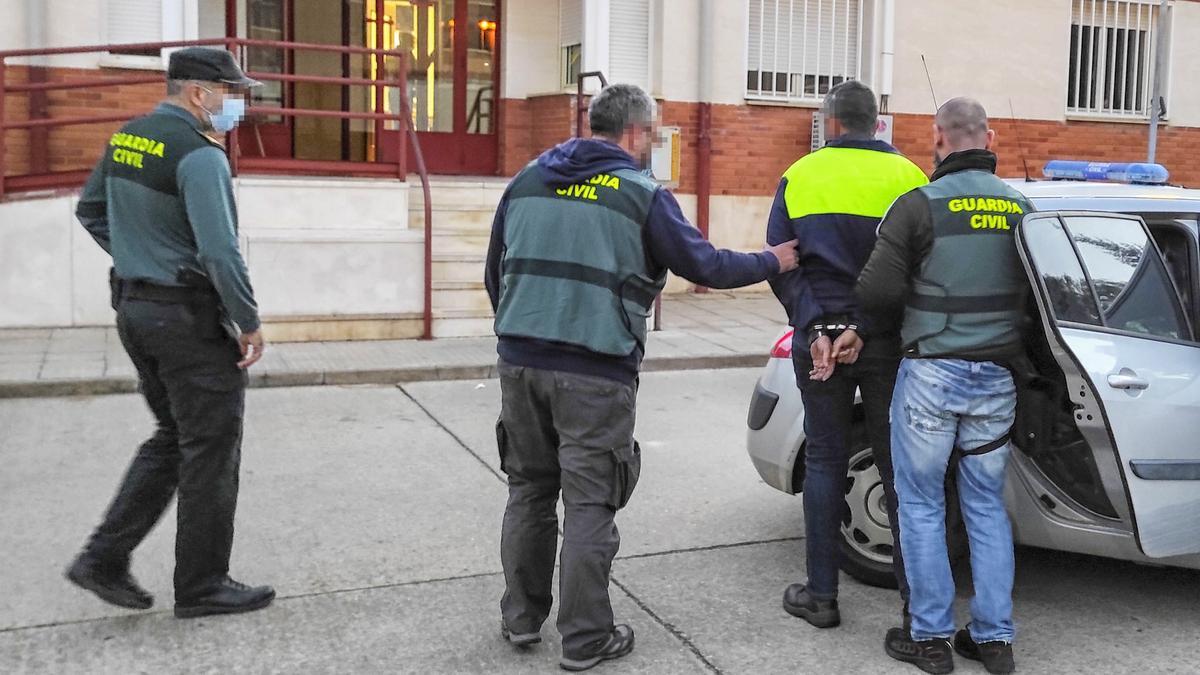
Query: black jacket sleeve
point(905, 239)
point(495, 255)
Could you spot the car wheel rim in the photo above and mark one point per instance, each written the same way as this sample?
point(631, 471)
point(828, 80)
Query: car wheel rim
point(866, 524)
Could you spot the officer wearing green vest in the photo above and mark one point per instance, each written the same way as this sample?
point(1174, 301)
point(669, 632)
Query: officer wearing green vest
point(160, 201)
point(947, 256)
point(581, 245)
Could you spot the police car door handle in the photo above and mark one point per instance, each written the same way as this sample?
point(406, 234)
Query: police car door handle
point(1127, 379)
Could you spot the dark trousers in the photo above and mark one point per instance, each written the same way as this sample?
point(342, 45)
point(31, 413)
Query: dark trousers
point(197, 395)
point(828, 415)
point(570, 433)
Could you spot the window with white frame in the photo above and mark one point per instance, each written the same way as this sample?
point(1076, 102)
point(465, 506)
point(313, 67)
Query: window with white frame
point(570, 40)
point(1113, 45)
point(133, 21)
point(797, 50)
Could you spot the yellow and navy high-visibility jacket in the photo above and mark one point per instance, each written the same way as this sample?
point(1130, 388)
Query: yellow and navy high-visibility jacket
point(832, 201)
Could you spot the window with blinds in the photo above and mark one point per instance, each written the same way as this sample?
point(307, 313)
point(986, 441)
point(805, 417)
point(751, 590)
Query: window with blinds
point(629, 42)
point(1113, 45)
point(797, 50)
point(133, 21)
point(570, 40)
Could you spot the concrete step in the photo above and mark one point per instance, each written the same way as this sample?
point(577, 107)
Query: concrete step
point(462, 323)
point(469, 296)
point(458, 267)
point(454, 219)
point(482, 194)
point(460, 243)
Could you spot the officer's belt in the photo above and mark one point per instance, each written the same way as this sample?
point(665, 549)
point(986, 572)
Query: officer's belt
point(179, 295)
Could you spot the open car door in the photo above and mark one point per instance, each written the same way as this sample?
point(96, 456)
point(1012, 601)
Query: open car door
point(1118, 328)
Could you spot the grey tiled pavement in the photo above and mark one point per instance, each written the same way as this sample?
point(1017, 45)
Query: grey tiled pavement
point(713, 330)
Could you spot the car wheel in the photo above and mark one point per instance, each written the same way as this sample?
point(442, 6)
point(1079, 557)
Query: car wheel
point(866, 536)
point(866, 533)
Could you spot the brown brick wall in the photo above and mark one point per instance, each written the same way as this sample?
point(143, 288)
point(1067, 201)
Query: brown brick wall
point(76, 146)
point(752, 145)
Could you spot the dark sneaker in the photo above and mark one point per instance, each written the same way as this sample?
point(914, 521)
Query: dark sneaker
point(519, 639)
point(117, 588)
point(820, 613)
point(226, 597)
point(932, 656)
point(997, 656)
point(618, 644)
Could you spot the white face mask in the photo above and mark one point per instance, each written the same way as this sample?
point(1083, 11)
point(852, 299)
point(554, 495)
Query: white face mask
point(233, 109)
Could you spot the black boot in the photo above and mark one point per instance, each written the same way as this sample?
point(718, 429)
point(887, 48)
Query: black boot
point(225, 597)
point(997, 656)
point(111, 585)
point(932, 656)
point(619, 643)
point(820, 613)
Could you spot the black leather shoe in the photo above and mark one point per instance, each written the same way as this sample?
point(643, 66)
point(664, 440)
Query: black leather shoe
point(997, 656)
point(820, 613)
point(520, 640)
point(932, 656)
point(225, 597)
point(618, 644)
point(117, 588)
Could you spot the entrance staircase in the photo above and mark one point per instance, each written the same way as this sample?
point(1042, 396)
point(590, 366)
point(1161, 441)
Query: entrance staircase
point(463, 209)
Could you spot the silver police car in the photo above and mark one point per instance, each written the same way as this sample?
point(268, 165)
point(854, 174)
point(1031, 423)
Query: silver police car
point(1107, 439)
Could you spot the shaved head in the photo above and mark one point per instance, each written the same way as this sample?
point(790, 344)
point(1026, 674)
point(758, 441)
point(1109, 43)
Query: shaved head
point(961, 124)
point(964, 121)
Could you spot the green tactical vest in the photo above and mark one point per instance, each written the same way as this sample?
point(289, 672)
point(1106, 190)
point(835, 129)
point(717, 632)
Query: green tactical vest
point(575, 268)
point(968, 295)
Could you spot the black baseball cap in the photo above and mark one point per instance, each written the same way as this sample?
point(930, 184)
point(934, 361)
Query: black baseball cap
point(207, 65)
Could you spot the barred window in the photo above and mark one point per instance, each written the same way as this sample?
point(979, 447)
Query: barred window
point(1113, 44)
point(797, 50)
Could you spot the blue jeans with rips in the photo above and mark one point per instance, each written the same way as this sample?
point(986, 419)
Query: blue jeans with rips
point(941, 405)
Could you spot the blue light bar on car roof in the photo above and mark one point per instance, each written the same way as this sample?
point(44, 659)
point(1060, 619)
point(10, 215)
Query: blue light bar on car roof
point(1116, 172)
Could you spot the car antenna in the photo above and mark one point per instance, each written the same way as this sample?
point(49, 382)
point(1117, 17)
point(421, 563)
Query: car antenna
point(1017, 134)
point(930, 80)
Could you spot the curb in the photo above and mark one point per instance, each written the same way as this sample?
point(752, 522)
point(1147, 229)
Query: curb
point(127, 385)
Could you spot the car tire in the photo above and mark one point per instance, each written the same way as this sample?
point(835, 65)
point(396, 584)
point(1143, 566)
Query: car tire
point(866, 556)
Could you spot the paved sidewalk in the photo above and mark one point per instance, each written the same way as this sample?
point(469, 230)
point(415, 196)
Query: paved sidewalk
point(714, 330)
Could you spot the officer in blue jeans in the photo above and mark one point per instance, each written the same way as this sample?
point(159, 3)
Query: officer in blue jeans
point(947, 256)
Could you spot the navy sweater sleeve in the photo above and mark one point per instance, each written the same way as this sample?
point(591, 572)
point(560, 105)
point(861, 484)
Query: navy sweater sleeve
point(674, 244)
point(792, 289)
point(495, 254)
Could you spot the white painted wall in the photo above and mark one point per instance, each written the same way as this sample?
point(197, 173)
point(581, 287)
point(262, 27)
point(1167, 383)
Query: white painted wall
point(14, 26)
point(988, 49)
point(1183, 96)
point(531, 53)
point(315, 248)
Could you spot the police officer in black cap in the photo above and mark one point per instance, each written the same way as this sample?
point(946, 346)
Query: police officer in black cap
point(160, 201)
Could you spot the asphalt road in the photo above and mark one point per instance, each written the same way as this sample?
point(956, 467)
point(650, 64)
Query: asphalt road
point(375, 511)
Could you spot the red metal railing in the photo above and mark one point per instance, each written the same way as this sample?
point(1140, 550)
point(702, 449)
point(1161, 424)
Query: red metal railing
point(75, 177)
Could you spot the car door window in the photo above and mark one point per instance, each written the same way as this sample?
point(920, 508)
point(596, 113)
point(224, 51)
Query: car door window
point(1128, 275)
point(1066, 285)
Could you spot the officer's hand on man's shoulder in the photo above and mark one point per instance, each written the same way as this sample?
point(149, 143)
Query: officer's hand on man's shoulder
point(252, 345)
point(786, 254)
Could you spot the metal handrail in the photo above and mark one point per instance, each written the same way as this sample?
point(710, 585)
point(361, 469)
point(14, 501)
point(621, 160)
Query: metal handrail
point(76, 177)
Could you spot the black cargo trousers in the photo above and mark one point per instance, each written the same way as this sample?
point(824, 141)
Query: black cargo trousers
point(188, 374)
point(570, 433)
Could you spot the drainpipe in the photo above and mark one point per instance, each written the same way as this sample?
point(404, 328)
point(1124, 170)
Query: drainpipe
point(888, 53)
point(704, 133)
point(1160, 76)
point(39, 102)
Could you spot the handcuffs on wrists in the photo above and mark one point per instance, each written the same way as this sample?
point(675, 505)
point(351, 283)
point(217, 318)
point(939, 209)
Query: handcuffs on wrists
point(830, 330)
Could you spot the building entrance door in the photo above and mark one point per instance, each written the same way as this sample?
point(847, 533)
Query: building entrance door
point(453, 78)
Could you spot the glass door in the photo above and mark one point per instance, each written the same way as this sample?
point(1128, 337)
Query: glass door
point(452, 47)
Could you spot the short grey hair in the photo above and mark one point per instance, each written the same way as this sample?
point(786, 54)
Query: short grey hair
point(962, 119)
point(618, 107)
point(853, 104)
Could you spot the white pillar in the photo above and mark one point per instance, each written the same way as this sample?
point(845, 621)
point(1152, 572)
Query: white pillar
point(595, 41)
